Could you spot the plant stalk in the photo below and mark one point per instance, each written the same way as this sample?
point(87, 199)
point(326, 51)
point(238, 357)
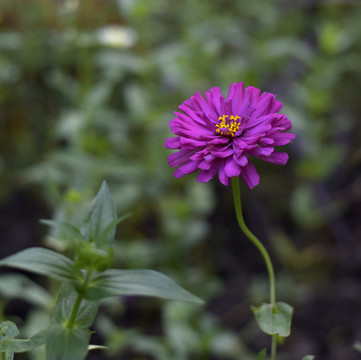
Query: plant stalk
point(79, 298)
point(261, 249)
point(71, 321)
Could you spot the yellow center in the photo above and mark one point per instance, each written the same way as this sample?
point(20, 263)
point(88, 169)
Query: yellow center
point(228, 125)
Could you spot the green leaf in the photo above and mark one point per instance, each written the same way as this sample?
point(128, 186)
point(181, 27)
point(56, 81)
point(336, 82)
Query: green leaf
point(136, 282)
point(262, 355)
point(21, 287)
point(308, 357)
point(65, 303)
point(65, 344)
point(274, 320)
point(20, 345)
point(44, 262)
point(100, 216)
point(72, 231)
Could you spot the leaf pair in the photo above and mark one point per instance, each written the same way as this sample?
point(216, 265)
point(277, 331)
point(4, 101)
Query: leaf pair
point(101, 285)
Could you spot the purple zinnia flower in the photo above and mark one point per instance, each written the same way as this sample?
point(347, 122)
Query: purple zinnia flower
point(218, 134)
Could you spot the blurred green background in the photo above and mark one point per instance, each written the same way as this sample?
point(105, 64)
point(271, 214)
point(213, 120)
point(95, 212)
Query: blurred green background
point(87, 90)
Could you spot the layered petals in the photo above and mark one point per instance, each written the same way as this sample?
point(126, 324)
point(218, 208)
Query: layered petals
point(215, 134)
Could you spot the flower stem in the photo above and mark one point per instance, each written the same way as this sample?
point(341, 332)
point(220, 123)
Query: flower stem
point(261, 249)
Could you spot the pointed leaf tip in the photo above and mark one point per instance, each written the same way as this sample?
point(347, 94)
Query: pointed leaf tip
point(101, 214)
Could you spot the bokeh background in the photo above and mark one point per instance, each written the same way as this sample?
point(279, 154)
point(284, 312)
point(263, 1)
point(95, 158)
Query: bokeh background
point(87, 90)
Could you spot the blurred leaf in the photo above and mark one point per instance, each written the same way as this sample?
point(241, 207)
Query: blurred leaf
point(262, 355)
point(274, 320)
point(308, 357)
point(44, 262)
point(304, 207)
point(65, 344)
point(136, 282)
point(101, 215)
point(21, 287)
point(72, 231)
point(321, 162)
point(357, 346)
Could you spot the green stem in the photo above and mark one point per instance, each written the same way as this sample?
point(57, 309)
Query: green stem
point(261, 249)
point(79, 298)
point(274, 347)
point(74, 312)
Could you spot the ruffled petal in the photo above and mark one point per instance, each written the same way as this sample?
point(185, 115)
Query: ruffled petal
point(172, 143)
point(261, 151)
point(235, 97)
point(277, 158)
point(250, 175)
point(231, 168)
point(223, 178)
point(206, 175)
point(282, 139)
point(189, 167)
point(180, 157)
point(213, 97)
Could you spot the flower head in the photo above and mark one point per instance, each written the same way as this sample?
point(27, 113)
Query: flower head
point(218, 134)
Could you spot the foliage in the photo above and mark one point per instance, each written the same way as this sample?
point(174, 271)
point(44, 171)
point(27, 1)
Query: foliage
point(84, 283)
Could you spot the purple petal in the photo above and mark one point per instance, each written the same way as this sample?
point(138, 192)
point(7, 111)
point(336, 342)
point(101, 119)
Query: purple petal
point(239, 143)
point(257, 130)
point(282, 138)
point(259, 121)
point(250, 175)
point(267, 104)
point(178, 174)
point(221, 153)
point(206, 175)
point(231, 168)
point(223, 178)
point(261, 151)
point(251, 94)
point(235, 97)
point(241, 160)
point(213, 97)
point(266, 141)
point(205, 165)
point(189, 167)
point(191, 143)
point(278, 158)
point(179, 157)
point(172, 143)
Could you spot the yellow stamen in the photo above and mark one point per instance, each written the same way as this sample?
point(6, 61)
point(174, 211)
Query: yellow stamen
point(228, 127)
